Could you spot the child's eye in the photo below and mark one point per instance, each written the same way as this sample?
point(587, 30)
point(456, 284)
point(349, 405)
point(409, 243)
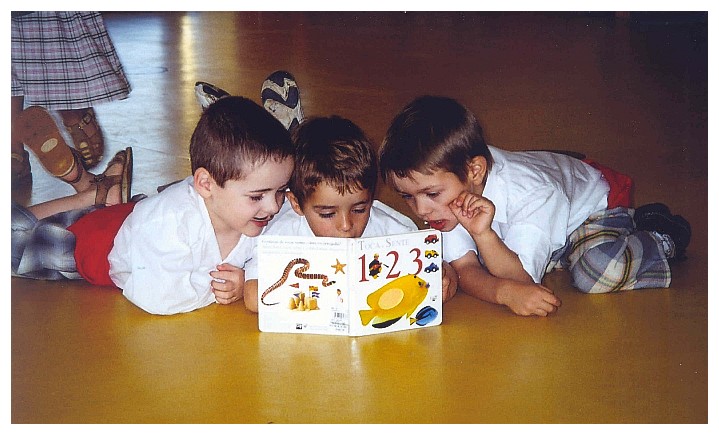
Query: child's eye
point(359, 210)
point(433, 194)
point(257, 198)
point(405, 196)
point(326, 215)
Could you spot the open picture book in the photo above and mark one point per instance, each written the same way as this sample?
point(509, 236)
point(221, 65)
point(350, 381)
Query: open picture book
point(362, 286)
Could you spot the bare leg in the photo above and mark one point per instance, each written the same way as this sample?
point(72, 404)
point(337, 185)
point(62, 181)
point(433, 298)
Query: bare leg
point(83, 198)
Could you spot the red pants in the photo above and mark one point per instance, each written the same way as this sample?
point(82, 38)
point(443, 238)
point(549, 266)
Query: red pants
point(94, 238)
point(620, 186)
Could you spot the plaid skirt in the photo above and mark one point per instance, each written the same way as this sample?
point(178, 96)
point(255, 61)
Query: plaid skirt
point(65, 60)
point(607, 254)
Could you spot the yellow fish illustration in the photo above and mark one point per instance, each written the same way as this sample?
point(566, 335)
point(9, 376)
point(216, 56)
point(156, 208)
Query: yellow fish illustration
point(395, 299)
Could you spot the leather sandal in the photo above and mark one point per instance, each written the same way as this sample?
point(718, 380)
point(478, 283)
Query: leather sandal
point(104, 182)
point(37, 129)
point(87, 137)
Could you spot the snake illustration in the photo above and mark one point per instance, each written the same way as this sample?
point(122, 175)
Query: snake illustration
point(299, 273)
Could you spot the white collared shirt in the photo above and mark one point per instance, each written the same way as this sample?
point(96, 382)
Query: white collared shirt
point(165, 250)
point(539, 199)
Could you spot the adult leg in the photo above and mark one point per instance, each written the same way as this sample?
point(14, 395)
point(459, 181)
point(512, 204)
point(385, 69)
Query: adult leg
point(20, 163)
point(36, 128)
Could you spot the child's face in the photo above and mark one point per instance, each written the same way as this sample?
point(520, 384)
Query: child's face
point(429, 196)
point(330, 214)
point(248, 205)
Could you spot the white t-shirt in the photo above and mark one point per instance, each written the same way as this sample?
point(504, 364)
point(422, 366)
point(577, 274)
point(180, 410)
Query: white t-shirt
point(539, 199)
point(165, 250)
point(383, 220)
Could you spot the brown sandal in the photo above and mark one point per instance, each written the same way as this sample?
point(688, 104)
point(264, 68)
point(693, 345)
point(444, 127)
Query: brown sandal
point(87, 136)
point(124, 180)
point(37, 129)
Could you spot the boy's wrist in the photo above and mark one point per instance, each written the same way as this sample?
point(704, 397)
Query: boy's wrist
point(487, 236)
point(500, 292)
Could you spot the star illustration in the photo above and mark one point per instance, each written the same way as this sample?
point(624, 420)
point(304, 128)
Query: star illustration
point(339, 267)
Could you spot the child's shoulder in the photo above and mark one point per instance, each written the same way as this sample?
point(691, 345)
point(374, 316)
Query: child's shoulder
point(180, 200)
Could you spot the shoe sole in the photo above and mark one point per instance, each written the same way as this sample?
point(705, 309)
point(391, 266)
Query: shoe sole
point(39, 132)
point(280, 88)
point(208, 93)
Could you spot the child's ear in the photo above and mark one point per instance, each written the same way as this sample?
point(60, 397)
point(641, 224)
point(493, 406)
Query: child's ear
point(203, 182)
point(477, 170)
point(294, 203)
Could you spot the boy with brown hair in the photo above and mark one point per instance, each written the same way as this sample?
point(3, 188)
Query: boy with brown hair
point(332, 192)
point(510, 217)
point(186, 247)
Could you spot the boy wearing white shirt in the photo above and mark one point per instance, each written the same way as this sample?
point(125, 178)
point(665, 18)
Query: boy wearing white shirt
point(187, 246)
point(510, 217)
point(331, 193)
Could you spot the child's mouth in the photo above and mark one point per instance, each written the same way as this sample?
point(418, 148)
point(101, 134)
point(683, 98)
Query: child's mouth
point(262, 222)
point(438, 225)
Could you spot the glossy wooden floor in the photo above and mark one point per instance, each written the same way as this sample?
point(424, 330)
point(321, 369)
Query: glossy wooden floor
point(632, 94)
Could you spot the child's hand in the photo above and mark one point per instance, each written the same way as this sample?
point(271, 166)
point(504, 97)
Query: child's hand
point(228, 283)
point(474, 212)
point(529, 299)
point(450, 281)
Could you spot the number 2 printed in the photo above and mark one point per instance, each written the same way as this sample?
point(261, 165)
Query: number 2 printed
point(375, 266)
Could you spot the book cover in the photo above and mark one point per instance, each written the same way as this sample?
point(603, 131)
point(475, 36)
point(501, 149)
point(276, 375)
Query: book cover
point(354, 287)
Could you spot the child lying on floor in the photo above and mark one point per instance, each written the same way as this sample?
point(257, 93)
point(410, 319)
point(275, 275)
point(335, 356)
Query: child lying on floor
point(179, 250)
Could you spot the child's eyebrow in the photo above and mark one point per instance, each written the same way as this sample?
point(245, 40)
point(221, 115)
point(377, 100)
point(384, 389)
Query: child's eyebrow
point(324, 207)
point(422, 190)
point(268, 189)
point(429, 188)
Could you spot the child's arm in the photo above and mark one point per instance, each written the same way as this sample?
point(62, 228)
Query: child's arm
point(475, 214)
point(522, 298)
point(228, 283)
point(251, 295)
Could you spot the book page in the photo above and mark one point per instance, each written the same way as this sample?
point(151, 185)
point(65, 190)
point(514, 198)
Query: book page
point(302, 285)
point(396, 282)
point(363, 286)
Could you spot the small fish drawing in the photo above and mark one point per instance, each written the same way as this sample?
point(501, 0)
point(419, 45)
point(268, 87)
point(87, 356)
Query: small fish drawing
point(425, 316)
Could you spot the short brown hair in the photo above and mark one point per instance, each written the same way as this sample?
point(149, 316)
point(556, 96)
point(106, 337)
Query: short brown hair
point(233, 135)
point(429, 134)
point(332, 150)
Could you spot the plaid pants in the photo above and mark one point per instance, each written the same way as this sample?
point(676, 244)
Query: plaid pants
point(44, 249)
point(607, 254)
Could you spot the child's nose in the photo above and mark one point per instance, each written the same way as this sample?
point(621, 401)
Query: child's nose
point(345, 223)
point(423, 208)
point(272, 206)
